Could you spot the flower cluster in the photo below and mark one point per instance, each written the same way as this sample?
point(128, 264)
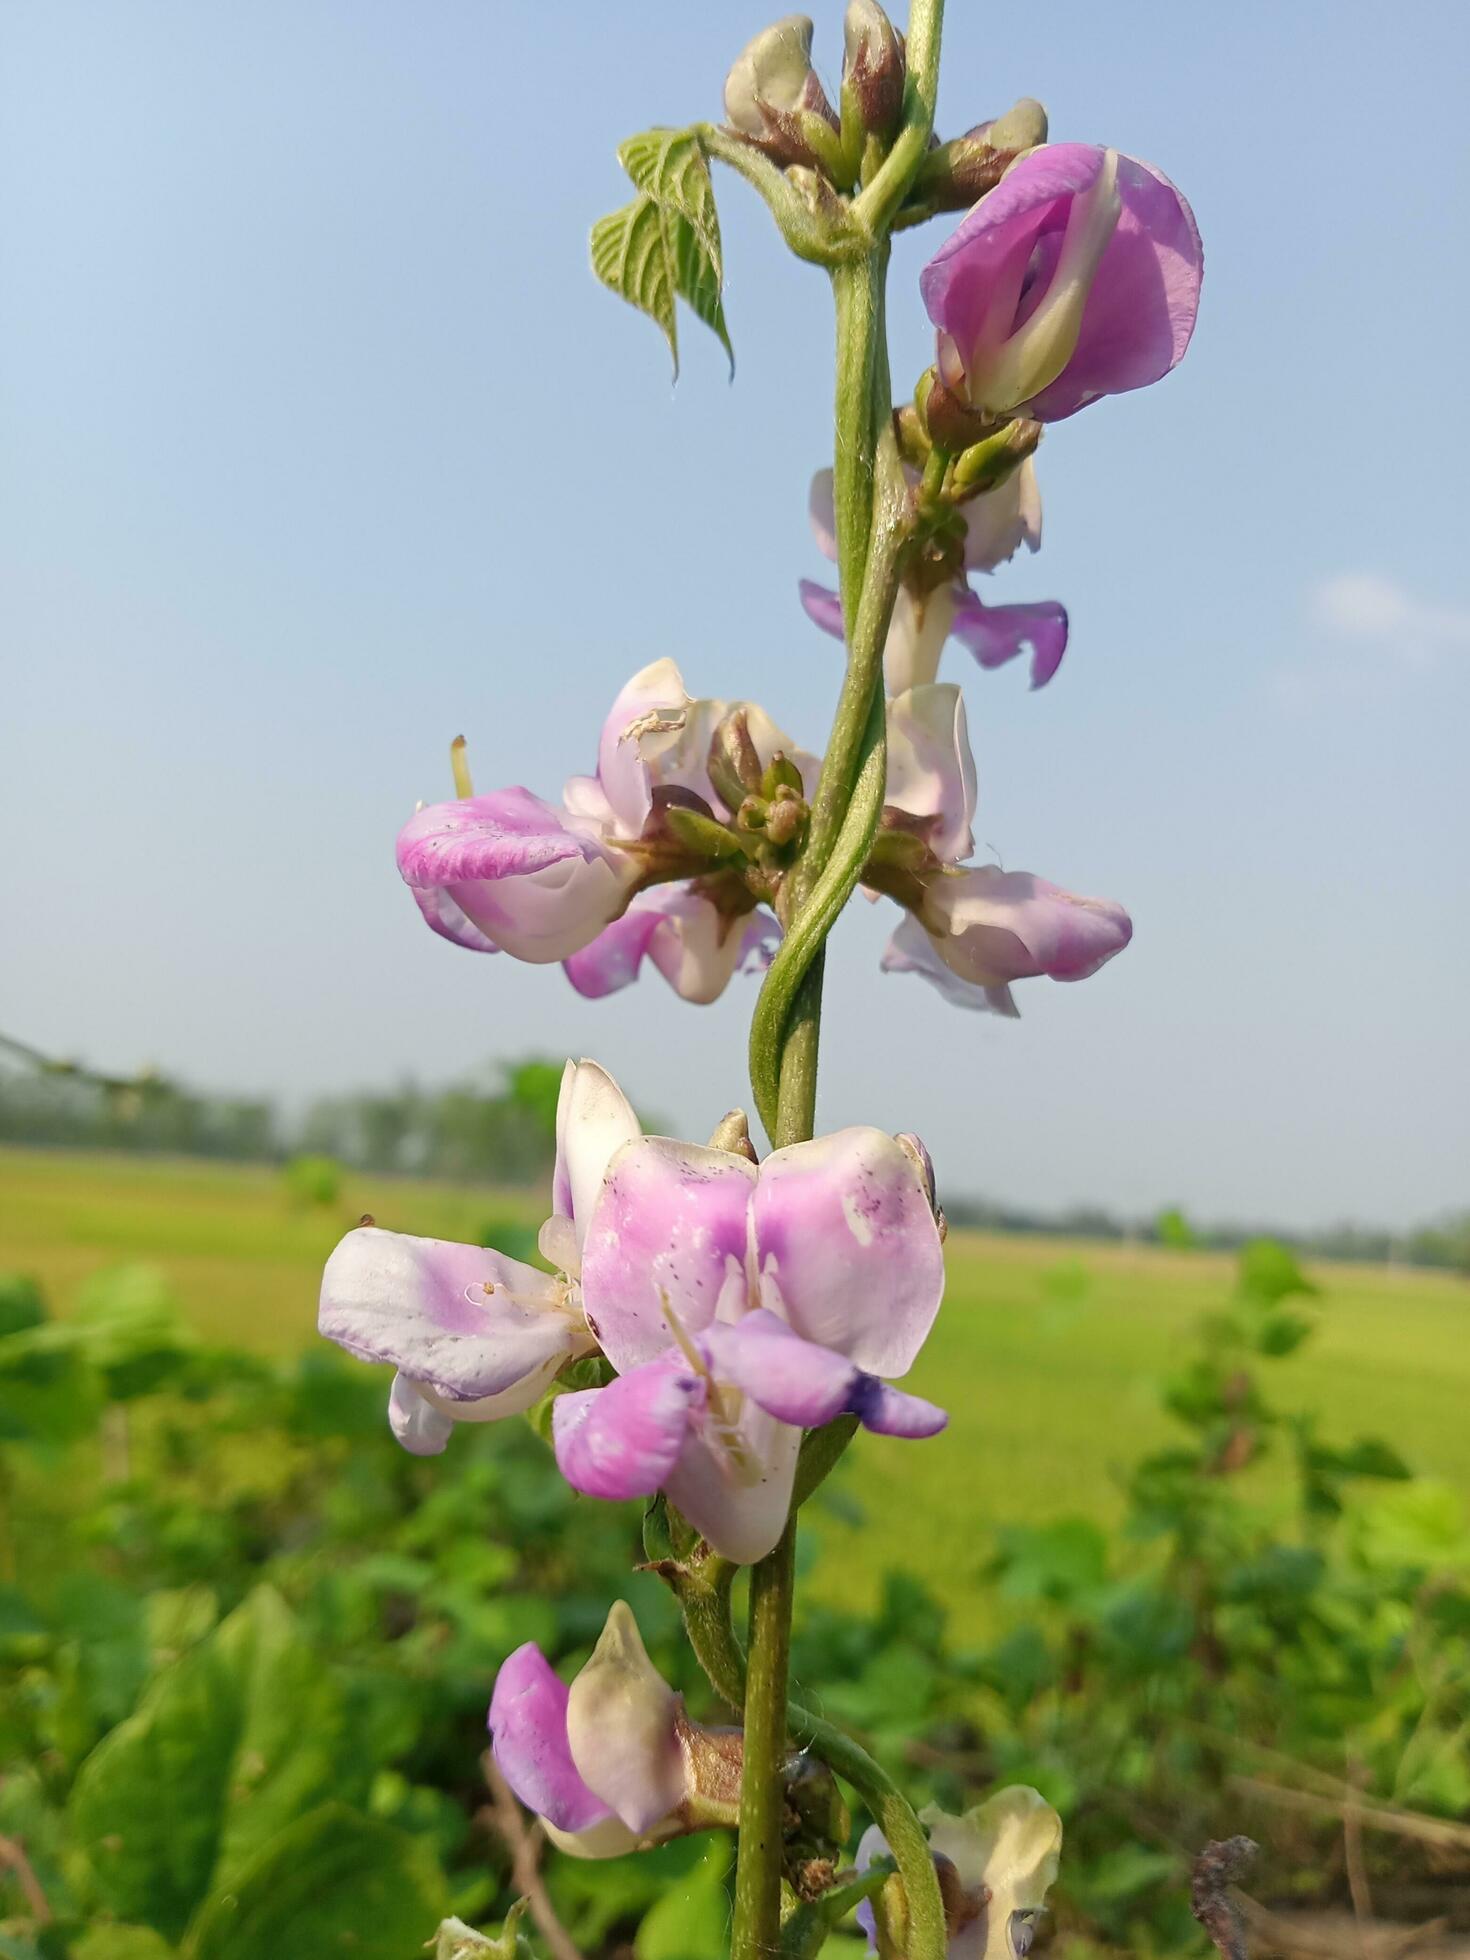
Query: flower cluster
point(733, 1305)
point(700, 1314)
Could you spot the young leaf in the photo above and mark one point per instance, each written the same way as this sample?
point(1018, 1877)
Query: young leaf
point(630, 255)
point(697, 282)
point(669, 166)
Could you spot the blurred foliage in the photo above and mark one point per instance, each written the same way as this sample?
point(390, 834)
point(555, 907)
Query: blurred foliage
point(248, 1644)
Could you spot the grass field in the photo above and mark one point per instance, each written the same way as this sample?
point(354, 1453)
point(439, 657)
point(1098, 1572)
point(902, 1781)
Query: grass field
point(1047, 1354)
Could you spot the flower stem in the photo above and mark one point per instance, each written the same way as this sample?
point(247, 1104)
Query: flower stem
point(757, 1918)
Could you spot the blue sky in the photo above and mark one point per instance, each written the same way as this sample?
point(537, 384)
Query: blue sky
point(318, 445)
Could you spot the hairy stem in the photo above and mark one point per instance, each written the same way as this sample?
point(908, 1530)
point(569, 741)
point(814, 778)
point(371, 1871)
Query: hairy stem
point(757, 1917)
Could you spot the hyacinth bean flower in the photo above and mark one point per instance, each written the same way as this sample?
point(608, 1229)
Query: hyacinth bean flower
point(998, 523)
point(598, 881)
point(1078, 276)
point(996, 1865)
point(610, 1763)
point(474, 1334)
point(972, 930)
point(741, 1305)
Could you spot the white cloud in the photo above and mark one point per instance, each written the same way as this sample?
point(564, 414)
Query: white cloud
point(1377, 614)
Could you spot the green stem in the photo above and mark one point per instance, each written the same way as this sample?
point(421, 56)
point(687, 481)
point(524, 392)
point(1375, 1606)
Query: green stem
point(757, 1916)
point(809, 237)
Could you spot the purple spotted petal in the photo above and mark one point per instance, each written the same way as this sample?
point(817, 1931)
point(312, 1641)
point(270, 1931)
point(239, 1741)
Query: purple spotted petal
point(995, 272)
point(843, 1231)
point(508, 866)
point(823, 607)
point(669, 1225)
point(623, 1440)
point(423, 1305)
point(931, 772)
point(528, 1734)
point(995, 634)
point(993, 927)
point(911, 950)
point(695, 946)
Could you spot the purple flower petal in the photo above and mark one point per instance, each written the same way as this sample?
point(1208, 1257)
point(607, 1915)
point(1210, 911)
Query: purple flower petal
point(669, 1226)
point(911, 950)
point(656, 692)
point(736, 1492)
point(443, 915)
point(890, 1411)
point(423, 1304)
point(799, 1382)
point(695, 946)
point(419, 1425)
point(823, 607)
point(843, 1231)
point(622, 1440)
point(931, 772)
point(996, 634)
point(993, 927)
point(995, 274)
point(528, 1735)
point(822, 510)
point(508, 866)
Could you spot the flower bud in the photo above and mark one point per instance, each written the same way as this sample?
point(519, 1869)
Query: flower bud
point(773, 97)
point(873, 70)
point(622, 1730)
point(960, 172)
point(734, 762)
point(702, 836)
point(732, 1133)
point(951, 422)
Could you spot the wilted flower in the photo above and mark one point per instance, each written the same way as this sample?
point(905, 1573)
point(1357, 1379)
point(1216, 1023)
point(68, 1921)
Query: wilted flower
point(474, 1334)
point(510, 872)
point(996, 1863)
point(610, 1763)
point(740, 1305)
point(972, 929)
point(1077, 276)
point(998, 523)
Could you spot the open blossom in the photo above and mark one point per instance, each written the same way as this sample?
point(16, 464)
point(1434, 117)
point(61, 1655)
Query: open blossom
point(998, 523)
point(473, 1334)
point(741, 1305)
point(611, 1762)
point(597, 881)
point(971, 930)
point(997, 1863)
point(1078, 276)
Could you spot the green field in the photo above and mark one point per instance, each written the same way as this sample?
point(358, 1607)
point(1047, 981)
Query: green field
point(1047, 1354)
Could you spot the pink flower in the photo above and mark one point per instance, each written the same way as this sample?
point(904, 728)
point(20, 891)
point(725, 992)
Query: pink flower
point(1077, 276)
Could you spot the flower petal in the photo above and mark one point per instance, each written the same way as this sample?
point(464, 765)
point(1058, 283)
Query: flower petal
point(622, 1441)
point(845, 1239)
point(998, 523)
point(822, 510)
point(931, 772)
point(890, 1411)
point(823, 607)
point(993, 927)
point(443, 915)
point(427, 1306)
point(656, 692)
point(419, 1424)
point(995, 634)
point(594, 1119)
point(739, 1506)
point(911, 950)
point(528, 1736)
point(799, 1382)
point(621, 1726)
point(696, 947)
point(670, 1225)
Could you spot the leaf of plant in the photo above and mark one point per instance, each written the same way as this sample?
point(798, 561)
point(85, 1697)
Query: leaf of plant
point(669, 166)
point(630, 255)
point(332, 1882)
point(229, 1745)
point(697, 281)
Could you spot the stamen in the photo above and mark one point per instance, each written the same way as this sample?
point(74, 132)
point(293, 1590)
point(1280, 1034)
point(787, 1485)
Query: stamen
point(459, 763)
point(686, 1346)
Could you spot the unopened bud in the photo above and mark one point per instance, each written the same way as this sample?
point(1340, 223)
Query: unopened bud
point(702, 836)
point(911, 436)
point(958, 173)
point(732, 1133)
point(951, 422)
point(873, 69)
point(781, 773)
point(785, 817)
point(773, 97)
point(733, 761)
point(987, 464)
point(622, 1727)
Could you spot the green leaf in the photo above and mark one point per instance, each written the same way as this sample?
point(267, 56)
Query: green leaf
point(669, 166)
point(691, 1920)
point(666, 243)
point(1269, 1272)
point(334, 1883)
point(229, 1745)
point(1282, 1332)
point(630, 255)
point(1369, 1456)
point(121, 1943)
